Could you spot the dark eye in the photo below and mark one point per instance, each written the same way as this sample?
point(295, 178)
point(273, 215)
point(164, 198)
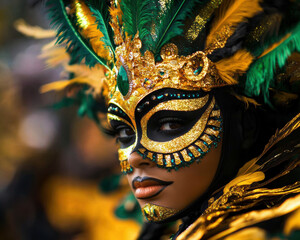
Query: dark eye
point(167, 125)
point(125, 134)
point(170, 126)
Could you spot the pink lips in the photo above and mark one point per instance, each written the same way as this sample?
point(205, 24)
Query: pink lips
point(148, 188)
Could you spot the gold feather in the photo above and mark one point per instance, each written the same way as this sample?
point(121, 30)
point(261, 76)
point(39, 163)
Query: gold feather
point(246, 179)
point(228, 17)
point(116, 13)
point(230, 68)
point(55, 55)
point(116, 21)
point(89, 30)
point(33, 31)
point(93, 77)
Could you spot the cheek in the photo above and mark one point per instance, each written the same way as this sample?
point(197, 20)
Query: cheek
point(191, 182)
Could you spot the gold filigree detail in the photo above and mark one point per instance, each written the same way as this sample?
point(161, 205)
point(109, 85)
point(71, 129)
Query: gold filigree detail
point(193, 72)
point(154, 213)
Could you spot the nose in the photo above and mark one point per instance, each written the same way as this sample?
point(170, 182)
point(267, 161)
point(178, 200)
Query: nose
point(137, 161)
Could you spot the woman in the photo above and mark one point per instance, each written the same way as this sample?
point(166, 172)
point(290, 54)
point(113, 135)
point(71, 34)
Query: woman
point(173, 78)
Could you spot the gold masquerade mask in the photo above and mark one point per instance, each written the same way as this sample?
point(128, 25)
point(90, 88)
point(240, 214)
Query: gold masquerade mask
point(200, 126)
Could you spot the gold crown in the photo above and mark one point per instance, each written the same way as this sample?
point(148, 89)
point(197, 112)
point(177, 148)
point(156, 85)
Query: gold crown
point(135, 71)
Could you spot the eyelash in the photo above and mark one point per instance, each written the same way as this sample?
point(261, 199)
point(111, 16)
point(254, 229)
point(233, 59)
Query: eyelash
point(170, 119)
point(117, 129)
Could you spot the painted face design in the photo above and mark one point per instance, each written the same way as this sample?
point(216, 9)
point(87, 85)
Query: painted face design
point(171, 127)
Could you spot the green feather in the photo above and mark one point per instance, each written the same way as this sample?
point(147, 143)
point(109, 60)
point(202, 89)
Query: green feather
point(171, 22)
point(100, 12)
point(137, 17)
point(260, 76)
point(67, 32)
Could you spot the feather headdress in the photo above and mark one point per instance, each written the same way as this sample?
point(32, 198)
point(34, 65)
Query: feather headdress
point(245, 42)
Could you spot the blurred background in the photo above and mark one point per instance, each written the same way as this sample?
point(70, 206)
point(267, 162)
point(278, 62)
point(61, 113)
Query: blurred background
point(59, 175)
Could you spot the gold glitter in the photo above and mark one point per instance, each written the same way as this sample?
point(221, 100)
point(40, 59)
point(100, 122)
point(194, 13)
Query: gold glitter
point(111, 117)
point(177, 158)
point(215, 113)
point(184, 140)
point(125, 166)
point(124, 153)
point(220, 39)
point(214, 123)
point(83, 20)
point(150, 155)
point(174, 71)
point(264, 26)
point(194, 151)
point(201, 19)
point(212, 132)
point(185, 155)
point(201, 145)
point(206, 138)
point(155, 213)
point(159, 159)
point(142, 150)
point(168, 160)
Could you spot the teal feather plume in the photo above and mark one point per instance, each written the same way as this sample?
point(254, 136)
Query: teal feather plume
point(260, 76)
point(101, 13)
point(170, 24)
point(137, 17)
point(67, 31)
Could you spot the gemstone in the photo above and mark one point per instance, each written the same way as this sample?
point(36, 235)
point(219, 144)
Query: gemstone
point(123, 81)
point(198, 70)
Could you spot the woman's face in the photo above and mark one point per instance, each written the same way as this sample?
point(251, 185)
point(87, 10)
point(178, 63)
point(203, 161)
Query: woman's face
point(180, 188)
point(168, 148)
